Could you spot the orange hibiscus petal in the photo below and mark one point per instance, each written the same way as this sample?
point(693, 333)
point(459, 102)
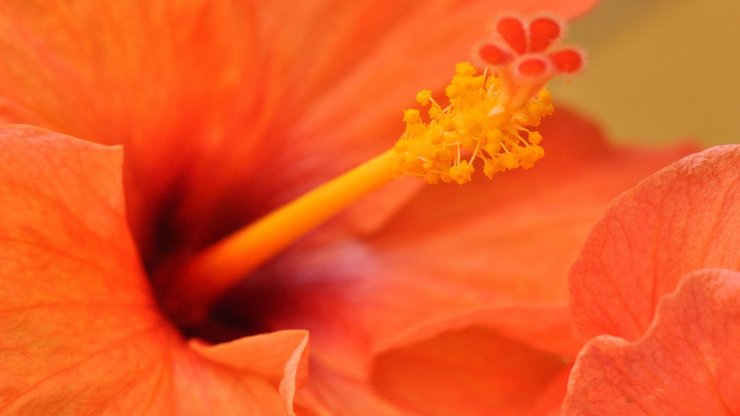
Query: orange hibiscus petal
point(65, 312)
point(258, 355)
point(474, 363)
point(470, 371)
point(686, 363)
point(81, 332)
point(681, 219)
point(332, 393)
point(541, 327)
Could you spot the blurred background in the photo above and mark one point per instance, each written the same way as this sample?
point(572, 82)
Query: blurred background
point(660, 70)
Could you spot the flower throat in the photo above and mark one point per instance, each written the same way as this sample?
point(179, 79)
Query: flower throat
point(485, 122)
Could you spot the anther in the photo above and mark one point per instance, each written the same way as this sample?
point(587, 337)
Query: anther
point(479, 126)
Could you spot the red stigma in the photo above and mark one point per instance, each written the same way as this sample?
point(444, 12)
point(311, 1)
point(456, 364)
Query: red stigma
point(532, 42)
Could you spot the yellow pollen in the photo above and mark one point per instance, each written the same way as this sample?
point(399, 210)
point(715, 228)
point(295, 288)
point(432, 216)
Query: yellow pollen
point(476, 128)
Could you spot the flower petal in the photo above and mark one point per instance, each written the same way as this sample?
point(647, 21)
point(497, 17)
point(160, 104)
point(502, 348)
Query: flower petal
point(333, 393)
point(62, 228)
point(470, 371)
point(681, 219)
point(258, 355)
point(541, 327)
point(446, 367)
point(271, 95)
point(685, 364)
point(81, 332)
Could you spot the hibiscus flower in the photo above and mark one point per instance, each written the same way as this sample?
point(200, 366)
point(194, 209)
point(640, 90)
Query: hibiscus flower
point(657, 287)
point(434, 301)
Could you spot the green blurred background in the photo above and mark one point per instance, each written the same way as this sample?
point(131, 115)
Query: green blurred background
point(660, 70)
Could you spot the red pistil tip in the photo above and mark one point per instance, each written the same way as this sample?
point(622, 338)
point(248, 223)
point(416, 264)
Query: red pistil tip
point(495, 55)
point(533, 66)
point(517, 37)
point(525, 55)
point(512, 30)
point(568, 61)
point(543, 32)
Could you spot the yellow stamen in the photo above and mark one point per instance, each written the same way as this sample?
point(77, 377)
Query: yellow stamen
point(476, 127)
point(222, 265)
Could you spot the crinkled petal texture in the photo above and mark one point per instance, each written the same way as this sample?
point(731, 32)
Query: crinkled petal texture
point(413, 313)
point(682, 219)
point(81, 333)
point(663, 354)
point(685, 364)
point(229, 108)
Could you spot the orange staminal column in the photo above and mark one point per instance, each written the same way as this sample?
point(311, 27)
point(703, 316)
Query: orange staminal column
point(222, 265)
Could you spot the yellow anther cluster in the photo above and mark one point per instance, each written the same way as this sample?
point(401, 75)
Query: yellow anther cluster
point(476, 127)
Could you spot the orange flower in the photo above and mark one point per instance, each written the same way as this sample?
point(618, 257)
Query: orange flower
point(657, 287)
point(437, 301)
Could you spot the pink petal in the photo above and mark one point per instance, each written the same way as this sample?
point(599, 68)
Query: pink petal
point(681, 219)
point(685, 364)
